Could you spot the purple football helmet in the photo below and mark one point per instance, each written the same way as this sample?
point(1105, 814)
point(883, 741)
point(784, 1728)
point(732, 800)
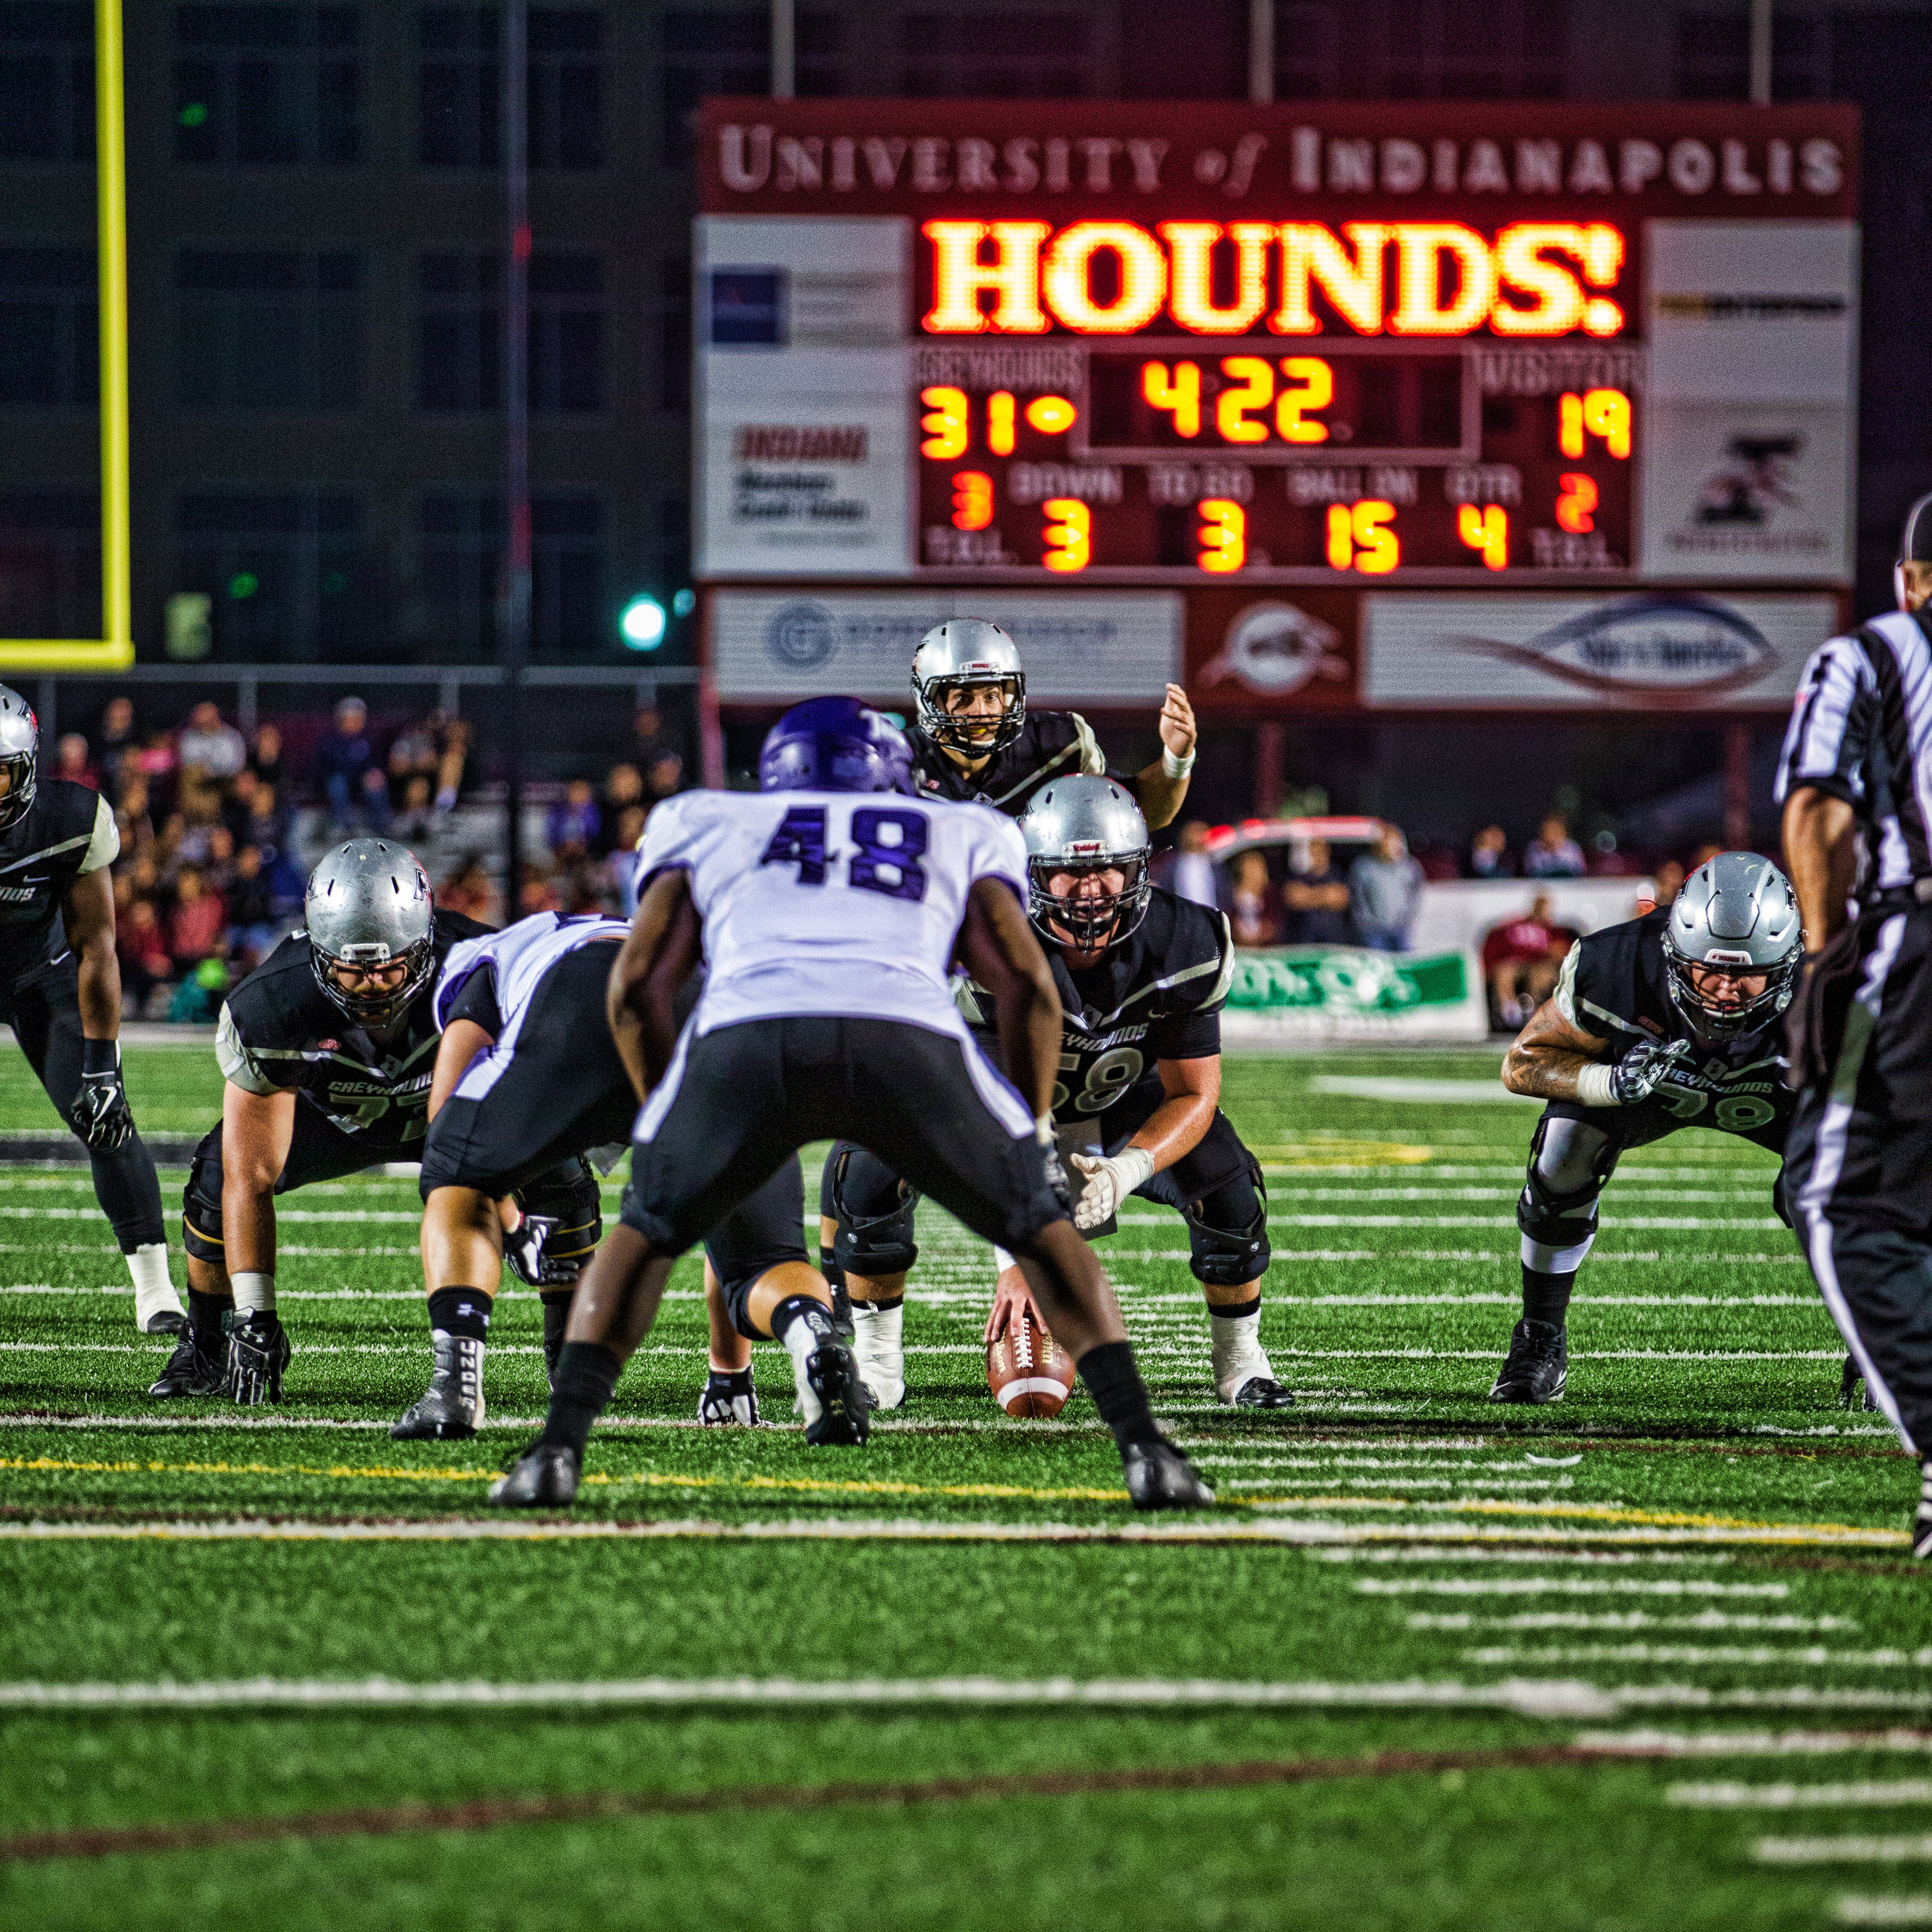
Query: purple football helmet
point(835, 744)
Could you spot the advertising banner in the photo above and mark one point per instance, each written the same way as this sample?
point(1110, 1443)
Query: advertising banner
point(1285, 994)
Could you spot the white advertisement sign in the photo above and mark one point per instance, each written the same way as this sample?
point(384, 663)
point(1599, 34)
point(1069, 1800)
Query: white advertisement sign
point(1080, 647)
point(803, 465)
point(1748, 460)
point(1651, 650)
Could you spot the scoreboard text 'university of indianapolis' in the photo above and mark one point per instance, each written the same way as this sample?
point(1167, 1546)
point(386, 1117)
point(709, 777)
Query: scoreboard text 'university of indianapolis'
point(1316, 345)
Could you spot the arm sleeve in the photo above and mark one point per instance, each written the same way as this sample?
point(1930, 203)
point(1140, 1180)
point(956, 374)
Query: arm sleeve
point(1581, 995)
point(1830, 734)
point(667, 840)
point(477, 1001)
point(1191, 1029)
point(240, 1065)
point(104, 847)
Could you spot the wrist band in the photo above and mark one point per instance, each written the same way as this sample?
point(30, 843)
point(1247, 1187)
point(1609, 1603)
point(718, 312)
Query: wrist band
point(1595, 1087)
point(252, 1289)
point(1175, 767)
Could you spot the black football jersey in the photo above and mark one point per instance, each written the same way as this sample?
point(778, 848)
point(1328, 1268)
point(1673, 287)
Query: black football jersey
point(1051, 744)
point(1614, 984)
point(69, 830)
point(279, 1030)
point(1156, 996)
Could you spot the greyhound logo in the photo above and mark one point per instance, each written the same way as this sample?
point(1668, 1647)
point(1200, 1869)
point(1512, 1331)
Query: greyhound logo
point(1275, 649)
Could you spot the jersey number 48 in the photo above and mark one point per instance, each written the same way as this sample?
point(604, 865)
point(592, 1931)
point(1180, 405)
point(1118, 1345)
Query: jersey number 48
point(888, 841)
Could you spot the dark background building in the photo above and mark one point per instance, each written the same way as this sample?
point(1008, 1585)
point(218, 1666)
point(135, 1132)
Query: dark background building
point(315, 232)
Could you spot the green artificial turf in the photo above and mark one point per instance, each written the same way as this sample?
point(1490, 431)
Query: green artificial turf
point(1698, 1537)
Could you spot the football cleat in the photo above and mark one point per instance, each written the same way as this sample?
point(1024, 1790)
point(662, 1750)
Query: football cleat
point(878, 1346)
point(837, 1404)
point(842, 1315)
point(258, 1352)
point(729, 1401)
point(190, 1372)
point(1159, 1477)
point(1261, 1392)
point(1848, 1385)
point(1922, 1529)
point(451, 1409)
point(544, 1477)
point(1537, 1367)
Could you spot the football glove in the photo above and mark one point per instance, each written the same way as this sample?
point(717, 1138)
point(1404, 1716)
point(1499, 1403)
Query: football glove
point(523, 1248)
point(1644, 1068)
point(101, 1114)
point(1108, 1182)
point(258, 1352)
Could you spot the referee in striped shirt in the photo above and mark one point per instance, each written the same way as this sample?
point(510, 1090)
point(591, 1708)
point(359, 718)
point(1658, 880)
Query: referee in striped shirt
point(1856, 782)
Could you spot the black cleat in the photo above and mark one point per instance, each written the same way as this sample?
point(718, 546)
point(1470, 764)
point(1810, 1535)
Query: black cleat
point(842, 1324)
point(1263, 1392)
point(451, 1410)
point(1922, 1529)
point(1847, 1387)
point(258, 1352)
point(1159, 1477)
point(1537, 1367)
point(544, 1477)
point(845, 1402)
point(190, 1372)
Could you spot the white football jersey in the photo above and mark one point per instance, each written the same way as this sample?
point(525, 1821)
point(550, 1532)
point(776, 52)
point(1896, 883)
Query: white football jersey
point(836, 903)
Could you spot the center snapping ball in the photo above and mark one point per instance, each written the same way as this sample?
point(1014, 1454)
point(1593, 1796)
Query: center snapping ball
point(1030, 1374)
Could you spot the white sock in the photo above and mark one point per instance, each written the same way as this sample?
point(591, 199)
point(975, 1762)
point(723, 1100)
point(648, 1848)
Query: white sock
point(1239, 1356)
point(879, 1341)
point(153, 1292)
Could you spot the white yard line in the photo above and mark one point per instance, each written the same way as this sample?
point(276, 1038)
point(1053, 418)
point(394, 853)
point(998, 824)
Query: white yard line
point(1774, 1797)
point(1441, 1553)
point(1907, 1847)
point(1647, 1742)
point(1855, 1909)
point(1626, 1620)
point(1809, 1656)
point(1560, 1587)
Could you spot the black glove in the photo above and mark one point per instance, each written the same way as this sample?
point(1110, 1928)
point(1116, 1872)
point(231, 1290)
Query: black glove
point(258, 1352)
point(101, 1114)
point(1644, 1068)
point(524, 1251)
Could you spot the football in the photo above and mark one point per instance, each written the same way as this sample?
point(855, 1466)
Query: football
point(1030, 1374)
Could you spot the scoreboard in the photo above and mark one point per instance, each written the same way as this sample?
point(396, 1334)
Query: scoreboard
point(1218, 347)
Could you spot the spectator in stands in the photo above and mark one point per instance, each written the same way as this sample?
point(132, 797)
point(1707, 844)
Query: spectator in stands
point(1606, 862)
point(650, 741)
point(1520, 960)
point(1489, 855)
point(195, 925)
point(468, 890)
point(218, 867)
point(538, 893)
point(1385, 892)
point(623, 789)
point(415, 808)
point(351, 781)
point(142, 949)
point(621, 862)
point(155, 761)
point(1251, 900)
point(251, 813)
point(253, 928)
point(265, 755)
point(571, 825)
point(1317, 899)
point(71, 760)
point(1703, 856)
point(451, 768)
point(116, 738)
point(208, 746)
point(1552, 853)
point(1666, 882)
point(131, 820)
point(1190, 871)
point(662, 777)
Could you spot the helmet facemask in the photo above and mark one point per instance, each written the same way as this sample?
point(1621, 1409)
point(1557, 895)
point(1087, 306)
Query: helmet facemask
point(1089, 922)
point(984, 734)
point(18, 799)
point(1716, 1023)
point(375, 1008)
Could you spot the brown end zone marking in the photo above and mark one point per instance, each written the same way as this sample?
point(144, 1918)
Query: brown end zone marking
point(484, 1814)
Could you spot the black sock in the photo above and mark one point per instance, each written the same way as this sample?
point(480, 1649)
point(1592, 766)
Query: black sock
point(463, 1312)
point(730, 1382)
point(556, 1316)
point(828, 1266)
point(586, 1373)
point(884, 1301)
point(1233, 1310)
point(1546, 1297)
point(204, 1312)
point(800, 1308)
point(1118, 1392)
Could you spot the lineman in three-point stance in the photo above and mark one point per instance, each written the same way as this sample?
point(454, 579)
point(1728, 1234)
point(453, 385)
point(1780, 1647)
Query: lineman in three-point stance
point(60, 992)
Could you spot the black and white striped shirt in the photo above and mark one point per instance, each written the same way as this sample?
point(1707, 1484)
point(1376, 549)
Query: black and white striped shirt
point(1861, 731)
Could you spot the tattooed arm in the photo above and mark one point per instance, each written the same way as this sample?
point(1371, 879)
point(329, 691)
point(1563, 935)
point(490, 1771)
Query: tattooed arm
point(1549, 1054)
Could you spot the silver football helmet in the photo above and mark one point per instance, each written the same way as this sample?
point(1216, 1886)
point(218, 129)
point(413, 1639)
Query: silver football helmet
point(1736, 915)
point(959, 655)
point(369, 908)
point(19, 744)
point(1085, 826)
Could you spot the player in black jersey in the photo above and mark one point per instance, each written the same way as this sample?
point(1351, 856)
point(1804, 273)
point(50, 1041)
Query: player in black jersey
point(326, 1048)
point(1142, 976)
point(1669, 1021)
point(976, 740)
point(61, 991)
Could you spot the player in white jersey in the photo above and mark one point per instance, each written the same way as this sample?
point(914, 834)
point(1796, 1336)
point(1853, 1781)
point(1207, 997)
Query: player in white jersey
point(527, 1083)
point(829, 920)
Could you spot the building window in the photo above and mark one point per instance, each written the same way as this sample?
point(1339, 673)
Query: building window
point(566, 332)
point(461, 554)
point(47, 80)
point(268, 329)
point(49, 320)
point(459, 80)
point(1714, 58)
point(50, 564)
point(268, 86)
point(707, 53)
point(460, 332)
point(1422, 50)
point(1007, 54)
point(287, 572)
point(673, 321)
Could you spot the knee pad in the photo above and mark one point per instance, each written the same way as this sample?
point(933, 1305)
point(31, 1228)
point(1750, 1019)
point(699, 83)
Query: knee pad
point(201, 1205)
point(567, 1194)
point(1228, 1232)
point(1570, 1162)
point(875, 1211)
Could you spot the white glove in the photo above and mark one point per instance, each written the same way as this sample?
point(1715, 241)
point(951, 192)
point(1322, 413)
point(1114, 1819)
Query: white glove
point(1109, 1182)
